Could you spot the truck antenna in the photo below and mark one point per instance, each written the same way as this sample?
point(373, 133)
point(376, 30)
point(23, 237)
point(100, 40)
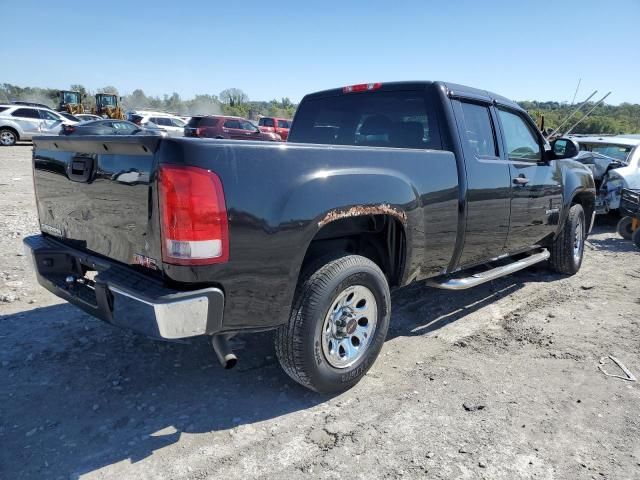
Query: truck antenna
point(571, 115)
point(576, 92)
point(587, 114)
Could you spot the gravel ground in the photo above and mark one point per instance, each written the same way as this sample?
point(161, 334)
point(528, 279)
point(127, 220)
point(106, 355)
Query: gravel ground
point(497, 382)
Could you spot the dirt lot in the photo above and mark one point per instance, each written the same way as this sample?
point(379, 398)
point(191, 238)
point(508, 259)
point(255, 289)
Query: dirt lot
point(497, 382)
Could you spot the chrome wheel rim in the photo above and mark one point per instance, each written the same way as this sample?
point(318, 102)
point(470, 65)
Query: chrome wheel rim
point(349, 326)
point(7, 138)
point(578, 243)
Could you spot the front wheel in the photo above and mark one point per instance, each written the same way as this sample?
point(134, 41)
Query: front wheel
point(8, 137)
point(338, 324)
point(568, 248)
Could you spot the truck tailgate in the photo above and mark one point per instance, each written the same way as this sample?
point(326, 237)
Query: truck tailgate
point(96, 194)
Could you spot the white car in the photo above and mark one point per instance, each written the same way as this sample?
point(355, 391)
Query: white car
point(624, 171)
point(20, 122)
point(172, 124)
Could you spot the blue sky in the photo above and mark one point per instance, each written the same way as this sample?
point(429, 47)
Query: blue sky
point(522, 49)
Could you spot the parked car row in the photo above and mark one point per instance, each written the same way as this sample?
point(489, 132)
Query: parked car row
point(21, 121)
point(232, 128)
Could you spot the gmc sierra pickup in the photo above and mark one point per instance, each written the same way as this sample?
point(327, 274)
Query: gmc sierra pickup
point(378, 186)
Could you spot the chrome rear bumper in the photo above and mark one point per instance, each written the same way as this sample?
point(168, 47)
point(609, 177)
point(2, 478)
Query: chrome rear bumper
point(122, 296)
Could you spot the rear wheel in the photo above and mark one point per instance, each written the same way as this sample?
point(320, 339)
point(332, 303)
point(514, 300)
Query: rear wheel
point(624, 228)
point(568, 248)
point(338, 324)
point(8, 137)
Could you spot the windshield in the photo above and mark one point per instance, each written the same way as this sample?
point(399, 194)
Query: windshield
point(70, 97)
point(108, 101)
point(399, 118)
point(619, 152)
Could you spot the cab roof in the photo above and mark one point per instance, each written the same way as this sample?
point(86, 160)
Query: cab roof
point(451, 89)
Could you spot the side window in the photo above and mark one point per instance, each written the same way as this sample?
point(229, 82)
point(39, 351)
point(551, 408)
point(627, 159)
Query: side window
point(283, 124)
point(268, 122)
point(522, 143)
point(478, 130)
point(26, 113)
point(232, 124)
point(175, 122)
point(247, 126)
point(45, 115)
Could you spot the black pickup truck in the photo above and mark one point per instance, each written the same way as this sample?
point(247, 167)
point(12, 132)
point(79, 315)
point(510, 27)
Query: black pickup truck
point(378, 186)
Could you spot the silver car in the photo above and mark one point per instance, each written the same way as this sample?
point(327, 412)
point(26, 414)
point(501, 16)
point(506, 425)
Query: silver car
point(20, 122)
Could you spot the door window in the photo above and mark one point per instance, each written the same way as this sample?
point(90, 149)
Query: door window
point(478, 130)
point(232, 124)
point(248, 126)
point(46, 115)
point(164, 122)
point(522, 142)
point(26, 113)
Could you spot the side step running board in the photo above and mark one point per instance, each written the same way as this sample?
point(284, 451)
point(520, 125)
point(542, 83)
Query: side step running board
point(478, 278)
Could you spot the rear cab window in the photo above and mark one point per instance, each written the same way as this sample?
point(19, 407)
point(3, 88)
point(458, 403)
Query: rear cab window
point(384, 118)
point(283, 123)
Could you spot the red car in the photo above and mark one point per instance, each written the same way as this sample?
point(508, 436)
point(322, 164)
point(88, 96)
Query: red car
point(277, 125)
point(234, 128)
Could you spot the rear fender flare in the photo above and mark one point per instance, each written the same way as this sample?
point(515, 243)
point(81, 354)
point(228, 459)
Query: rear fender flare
point(328, 195)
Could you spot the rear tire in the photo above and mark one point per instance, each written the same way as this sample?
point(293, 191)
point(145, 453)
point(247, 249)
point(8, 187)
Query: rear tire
point(8, 137)
point(330, 342)
point(624, 228)
point(568, 248)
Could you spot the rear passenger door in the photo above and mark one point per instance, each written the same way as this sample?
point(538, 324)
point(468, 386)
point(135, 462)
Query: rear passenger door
point(536, 194)
point(28, 119)
point(488, 183)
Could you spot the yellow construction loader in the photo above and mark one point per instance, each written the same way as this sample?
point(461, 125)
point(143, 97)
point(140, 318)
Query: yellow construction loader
point(70, 102)
point(108, 106)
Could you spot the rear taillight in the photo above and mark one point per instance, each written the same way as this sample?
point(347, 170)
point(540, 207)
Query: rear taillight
point(361, 87)
point(193, 216)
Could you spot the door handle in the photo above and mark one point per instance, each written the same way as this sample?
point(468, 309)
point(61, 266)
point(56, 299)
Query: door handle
point(520, 180)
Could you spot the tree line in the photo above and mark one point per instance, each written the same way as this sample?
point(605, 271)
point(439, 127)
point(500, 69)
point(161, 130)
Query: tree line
point(607, 119)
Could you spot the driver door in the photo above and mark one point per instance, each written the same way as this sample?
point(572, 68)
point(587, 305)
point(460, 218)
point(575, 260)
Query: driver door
point(536, 193)
point(251, 131)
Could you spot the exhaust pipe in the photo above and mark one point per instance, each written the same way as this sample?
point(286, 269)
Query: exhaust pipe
point(225, 355)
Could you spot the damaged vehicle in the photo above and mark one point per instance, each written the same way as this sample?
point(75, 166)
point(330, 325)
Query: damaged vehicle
point(615, 164)
point(379, 185)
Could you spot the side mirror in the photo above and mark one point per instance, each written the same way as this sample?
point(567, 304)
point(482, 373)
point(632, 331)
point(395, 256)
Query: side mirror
point(564, 148)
